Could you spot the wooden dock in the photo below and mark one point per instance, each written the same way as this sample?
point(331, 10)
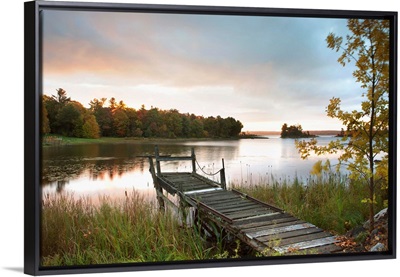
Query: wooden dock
point(261, 226)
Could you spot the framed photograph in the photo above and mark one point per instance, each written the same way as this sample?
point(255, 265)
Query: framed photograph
point(177, 136)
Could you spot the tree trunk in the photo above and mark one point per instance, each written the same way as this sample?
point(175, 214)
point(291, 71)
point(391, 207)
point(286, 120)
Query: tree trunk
point(371, 204)
point(371, 142)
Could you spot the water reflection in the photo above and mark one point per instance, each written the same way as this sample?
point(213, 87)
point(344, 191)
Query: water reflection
point(112, 169)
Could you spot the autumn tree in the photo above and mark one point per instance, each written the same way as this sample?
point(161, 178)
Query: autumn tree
point(45, 120)
point(61, 96)
point(103, 115)
point(174, 123)
point(196, 127)
point(77, 121)
point(53, 105)
point(234, 126)
point(121, 123)
point(90, 128)
point(113, 104)
point(133, 129)
point(70, 119)
point(52, 109)
point(364, 147)
point(151, 122)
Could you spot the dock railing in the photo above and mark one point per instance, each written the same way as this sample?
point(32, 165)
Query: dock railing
point(191, 158)
point(159, 159)
point(157, 174)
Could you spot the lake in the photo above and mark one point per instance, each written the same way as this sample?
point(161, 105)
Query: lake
point(111, 169)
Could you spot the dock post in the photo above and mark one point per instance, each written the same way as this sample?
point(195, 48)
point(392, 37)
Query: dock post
point(193, 161)
point(157, 153)
point(159, 190)
point(222, 175)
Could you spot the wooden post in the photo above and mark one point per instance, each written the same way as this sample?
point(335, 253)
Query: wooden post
point(159, 190)
point(222, 174)
point(193, 161)
point(182, 211)
point(157, 153)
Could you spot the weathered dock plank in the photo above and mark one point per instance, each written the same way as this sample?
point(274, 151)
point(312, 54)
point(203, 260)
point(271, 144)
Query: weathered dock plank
point(249, 213)
point(272, 224)
point(218, 197)
point(306, 244)
point(235, 208)
point(325, 249)
point(201, 190)
point(277, 225)
point(302, 238)
point(268, 220)
point(222, 201)
point(215, 196)
point(188, 186)
point(290, 234)
point(272, 231)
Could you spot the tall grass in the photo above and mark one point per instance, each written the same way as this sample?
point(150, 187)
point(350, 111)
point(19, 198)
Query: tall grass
point(330, 201)
point(77, 232)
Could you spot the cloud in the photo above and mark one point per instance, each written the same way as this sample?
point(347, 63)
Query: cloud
point(259, 68)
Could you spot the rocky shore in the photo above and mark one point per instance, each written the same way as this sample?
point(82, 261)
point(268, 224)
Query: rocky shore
point(360, 239)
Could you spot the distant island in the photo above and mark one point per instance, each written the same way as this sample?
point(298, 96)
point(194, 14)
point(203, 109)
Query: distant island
point(251, 135)
point(294, 131)
point(344, 133)
point(332, 133)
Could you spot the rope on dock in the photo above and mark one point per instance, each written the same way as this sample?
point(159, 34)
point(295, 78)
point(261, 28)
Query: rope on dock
point(209, 174)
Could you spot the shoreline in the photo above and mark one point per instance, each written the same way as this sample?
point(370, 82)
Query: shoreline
point(55, 140)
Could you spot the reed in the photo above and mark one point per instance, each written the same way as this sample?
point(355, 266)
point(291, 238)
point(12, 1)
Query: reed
point(330, 201)
point(79, 232)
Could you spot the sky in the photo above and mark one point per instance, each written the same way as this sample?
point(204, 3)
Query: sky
point(263, 71)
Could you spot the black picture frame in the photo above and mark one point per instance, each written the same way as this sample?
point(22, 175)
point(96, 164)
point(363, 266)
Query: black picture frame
point(32, 133)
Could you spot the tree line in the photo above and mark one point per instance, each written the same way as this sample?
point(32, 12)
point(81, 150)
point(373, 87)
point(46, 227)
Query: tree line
point(112, 118)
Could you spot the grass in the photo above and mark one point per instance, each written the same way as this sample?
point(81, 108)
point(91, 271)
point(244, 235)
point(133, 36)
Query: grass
point(50, 140)
point(77, 232)
point(330, 201)
point(54, 140)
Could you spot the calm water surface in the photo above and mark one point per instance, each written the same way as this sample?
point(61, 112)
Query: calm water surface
point(112, 169)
